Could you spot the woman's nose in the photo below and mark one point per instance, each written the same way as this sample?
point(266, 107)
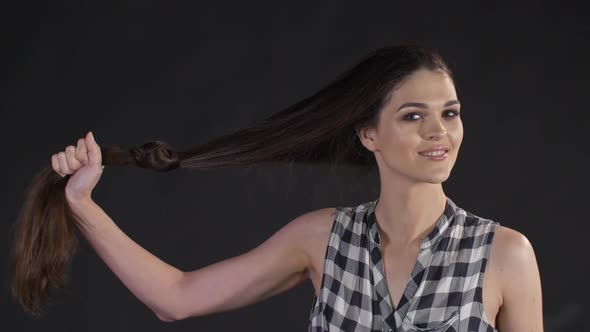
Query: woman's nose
point(435, 129)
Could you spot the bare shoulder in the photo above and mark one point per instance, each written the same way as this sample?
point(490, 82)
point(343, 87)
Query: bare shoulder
point(313, 226)
point(512, 259)
point(313, 230)
point(316, 221)
point(511, 246)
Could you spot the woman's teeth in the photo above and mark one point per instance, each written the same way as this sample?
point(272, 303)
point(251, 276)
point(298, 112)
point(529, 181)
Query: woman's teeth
point(433, 153)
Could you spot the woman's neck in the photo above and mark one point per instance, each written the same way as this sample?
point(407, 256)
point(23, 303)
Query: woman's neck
point(407, 214)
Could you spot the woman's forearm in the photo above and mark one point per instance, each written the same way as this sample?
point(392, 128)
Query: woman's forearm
point(149, 278)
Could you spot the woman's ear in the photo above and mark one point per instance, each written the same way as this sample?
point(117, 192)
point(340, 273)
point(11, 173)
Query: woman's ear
point(368, 137)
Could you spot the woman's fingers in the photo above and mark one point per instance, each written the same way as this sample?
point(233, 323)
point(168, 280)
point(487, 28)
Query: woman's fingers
point(87, 152)
point(73, 163)
point(63, 163)
point(55, 165)
point(82, 152)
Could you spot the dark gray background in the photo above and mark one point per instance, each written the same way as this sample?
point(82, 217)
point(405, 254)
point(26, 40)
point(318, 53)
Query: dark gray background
point(136, 71)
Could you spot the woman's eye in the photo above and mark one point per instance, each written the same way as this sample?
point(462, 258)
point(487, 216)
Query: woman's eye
point(455, 112)
point(408, 117)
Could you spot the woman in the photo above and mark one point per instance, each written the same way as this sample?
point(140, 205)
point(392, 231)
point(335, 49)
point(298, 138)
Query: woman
point(411, 260)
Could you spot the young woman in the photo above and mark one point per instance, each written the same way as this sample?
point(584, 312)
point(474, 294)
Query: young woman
point(410, 260)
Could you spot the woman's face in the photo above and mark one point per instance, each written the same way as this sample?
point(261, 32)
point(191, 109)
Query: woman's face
point(422, 112)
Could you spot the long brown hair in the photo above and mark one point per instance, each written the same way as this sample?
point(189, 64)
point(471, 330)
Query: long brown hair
point(320, 129)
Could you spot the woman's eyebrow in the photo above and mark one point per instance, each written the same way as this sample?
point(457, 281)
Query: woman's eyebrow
point(423, 105)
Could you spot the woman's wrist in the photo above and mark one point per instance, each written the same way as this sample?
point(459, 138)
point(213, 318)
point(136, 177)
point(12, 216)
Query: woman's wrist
point(79, 204)
point(85, 211)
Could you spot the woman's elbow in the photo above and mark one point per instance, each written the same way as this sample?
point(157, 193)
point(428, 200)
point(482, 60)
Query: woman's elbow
point(168, 318)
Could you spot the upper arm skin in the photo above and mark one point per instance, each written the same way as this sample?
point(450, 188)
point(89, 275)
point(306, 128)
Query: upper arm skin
point(522, 308)
point(276, 265)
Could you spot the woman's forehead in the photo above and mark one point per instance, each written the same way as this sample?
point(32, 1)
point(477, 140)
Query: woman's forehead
point(424, 86)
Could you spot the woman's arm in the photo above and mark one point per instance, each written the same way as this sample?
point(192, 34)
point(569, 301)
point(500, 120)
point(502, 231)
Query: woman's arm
point(145, 275)
point(522, 308)
point(276, 265)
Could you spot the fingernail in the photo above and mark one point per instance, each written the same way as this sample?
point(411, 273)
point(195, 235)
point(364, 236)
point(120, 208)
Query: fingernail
point(91, 136)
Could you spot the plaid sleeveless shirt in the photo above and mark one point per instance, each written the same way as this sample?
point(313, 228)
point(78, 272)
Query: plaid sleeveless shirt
point(444, 292)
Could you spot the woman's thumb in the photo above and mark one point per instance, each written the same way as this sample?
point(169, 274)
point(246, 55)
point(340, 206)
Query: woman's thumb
point(94, 155)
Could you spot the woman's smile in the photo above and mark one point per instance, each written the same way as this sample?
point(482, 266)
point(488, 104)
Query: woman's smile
point(435, 155)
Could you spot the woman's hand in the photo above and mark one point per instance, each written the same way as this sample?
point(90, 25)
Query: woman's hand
point(84, 162)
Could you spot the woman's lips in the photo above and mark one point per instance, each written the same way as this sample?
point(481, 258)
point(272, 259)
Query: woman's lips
point(440, 157)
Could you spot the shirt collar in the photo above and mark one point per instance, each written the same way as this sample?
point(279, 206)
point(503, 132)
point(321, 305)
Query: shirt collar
point(441, 226)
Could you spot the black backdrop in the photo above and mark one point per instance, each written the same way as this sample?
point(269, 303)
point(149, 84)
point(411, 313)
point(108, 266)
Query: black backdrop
point(134, 71)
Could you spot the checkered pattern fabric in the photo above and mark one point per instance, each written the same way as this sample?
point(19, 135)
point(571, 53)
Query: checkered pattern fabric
point(444, 292)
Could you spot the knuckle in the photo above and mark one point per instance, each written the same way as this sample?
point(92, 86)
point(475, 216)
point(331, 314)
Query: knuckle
point(63, 162)
point(54, 162)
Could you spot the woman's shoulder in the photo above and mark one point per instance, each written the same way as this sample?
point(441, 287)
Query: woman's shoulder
point(320, 221)
point(509, 242)
point(313, 226)
point(506, 241)
point(319, 224)
point(511, 255)
point(473, 224)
